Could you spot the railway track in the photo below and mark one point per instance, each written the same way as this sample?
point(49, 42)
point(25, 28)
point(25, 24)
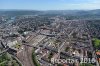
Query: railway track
point(29, 54)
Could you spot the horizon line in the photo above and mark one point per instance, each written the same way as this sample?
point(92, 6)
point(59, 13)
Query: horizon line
point(43, 10)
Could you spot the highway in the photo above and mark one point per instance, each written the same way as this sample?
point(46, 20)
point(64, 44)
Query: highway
point(5, 50)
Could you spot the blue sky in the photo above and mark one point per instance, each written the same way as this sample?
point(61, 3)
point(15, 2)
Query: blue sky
point(50, 4)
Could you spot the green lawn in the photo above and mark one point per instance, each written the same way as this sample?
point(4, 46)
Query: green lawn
point(18, 45)
point(85, 64)
point(34, 59)
point(96, 43)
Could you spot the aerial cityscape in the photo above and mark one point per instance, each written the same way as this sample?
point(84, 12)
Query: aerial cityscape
point(40, 35)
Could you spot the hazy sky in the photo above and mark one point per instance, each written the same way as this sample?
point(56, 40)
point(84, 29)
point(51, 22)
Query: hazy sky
point(50, 4)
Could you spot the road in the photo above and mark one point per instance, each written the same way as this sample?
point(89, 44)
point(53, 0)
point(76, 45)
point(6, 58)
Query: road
point(4, 51)
point(17, 59)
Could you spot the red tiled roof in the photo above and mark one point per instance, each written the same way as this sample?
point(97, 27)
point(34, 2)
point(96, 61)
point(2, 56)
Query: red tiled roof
point(98, 53)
